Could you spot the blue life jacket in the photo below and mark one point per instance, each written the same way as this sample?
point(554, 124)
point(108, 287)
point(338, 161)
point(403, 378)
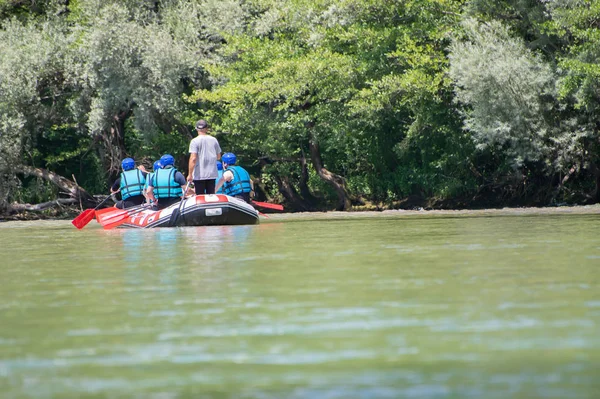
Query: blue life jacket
point(219, 175)
point(164, 184)
point(132, 183)
point(240, 182)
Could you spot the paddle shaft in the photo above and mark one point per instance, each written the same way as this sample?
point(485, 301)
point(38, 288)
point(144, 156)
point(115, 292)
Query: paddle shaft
point(105, 199)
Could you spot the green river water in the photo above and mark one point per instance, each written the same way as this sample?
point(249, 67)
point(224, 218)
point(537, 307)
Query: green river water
point(386, 305)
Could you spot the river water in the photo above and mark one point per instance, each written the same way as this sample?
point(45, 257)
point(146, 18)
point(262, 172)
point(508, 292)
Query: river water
point(387, 305)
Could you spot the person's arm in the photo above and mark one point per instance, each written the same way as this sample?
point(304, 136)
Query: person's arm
point(150, 194)
point(227, 176)
point(192, 165)
point(179, 178)
point(219, 184)
point(115, 187)
point(218, 150)
point(150, 191)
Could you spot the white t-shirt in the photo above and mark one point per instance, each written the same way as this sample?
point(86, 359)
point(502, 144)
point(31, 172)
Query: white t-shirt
point(207, 148)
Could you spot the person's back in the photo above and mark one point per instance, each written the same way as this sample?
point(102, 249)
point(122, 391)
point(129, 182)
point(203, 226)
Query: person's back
point(167, 184)
point(207, 157)
point(164, 184)
point(241, 182)
point(131, 184)
point(204, 153)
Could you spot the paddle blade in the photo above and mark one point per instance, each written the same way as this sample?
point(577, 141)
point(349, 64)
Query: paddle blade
point(116, 217)
point(84, 218)
point(114, 222)
point(105, 216)
point(268, 205)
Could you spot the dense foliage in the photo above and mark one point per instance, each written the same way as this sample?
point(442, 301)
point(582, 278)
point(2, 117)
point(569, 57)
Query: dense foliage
point(329, 103)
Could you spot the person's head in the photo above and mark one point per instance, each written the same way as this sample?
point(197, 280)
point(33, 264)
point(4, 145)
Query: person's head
point(167, 160)
point(128, 164)
point(157, 165)
point(228, 158)
point(202, 126)
point(219, 165)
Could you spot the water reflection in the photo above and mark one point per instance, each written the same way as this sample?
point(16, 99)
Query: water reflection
point(210, 241)
point(172, 259)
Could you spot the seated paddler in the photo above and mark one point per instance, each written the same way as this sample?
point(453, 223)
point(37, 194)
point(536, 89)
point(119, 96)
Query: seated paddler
point(167, 185)
point(130, 184)
point(235, 180)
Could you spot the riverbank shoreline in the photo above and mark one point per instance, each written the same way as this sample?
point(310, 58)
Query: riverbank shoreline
point(488, 212)
point(507, 211)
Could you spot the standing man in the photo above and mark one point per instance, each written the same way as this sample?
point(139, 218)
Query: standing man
point(205, 151)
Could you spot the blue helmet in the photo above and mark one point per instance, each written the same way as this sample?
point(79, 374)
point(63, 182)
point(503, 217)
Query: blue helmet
point(219, 165)
point(128, 164)
point(157, 165)
point(167, 160)
point(229, 158)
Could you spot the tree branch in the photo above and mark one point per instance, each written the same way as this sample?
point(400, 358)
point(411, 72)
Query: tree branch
point(43, 206)
point(73, 190)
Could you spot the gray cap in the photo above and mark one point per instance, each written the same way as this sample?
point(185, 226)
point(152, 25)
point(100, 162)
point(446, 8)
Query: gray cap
point(201, 124)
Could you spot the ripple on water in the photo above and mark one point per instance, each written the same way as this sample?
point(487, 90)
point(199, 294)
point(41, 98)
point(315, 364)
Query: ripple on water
point(453, 304)
point(290, 328)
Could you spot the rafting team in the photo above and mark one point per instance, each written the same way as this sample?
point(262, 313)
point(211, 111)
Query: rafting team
point(209, 172)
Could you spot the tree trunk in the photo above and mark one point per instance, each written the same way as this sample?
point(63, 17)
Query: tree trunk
point(336, 181)
point(43, 206)
point(114, 143)
point(74, 191)
point(303, 183)
point(291, 195)
point(594, 196)
point(297, 201)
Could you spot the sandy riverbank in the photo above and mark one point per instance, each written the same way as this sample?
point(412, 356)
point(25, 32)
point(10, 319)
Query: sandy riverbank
point(526, 211)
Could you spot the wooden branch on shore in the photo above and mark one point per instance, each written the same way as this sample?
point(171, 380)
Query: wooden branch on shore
point(74, 191)
point(43, 206)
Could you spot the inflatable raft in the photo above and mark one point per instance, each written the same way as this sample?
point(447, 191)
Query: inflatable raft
point(197, 210)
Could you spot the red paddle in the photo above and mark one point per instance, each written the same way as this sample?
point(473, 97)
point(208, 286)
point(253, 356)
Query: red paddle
point(86, 216)
point(119, 221)
point(268, 205)
point(115, 217)
point(106, 213)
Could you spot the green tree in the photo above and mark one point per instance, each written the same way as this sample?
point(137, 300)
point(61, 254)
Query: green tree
point(91, 70)
point(343, 82)
point(512, 110)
